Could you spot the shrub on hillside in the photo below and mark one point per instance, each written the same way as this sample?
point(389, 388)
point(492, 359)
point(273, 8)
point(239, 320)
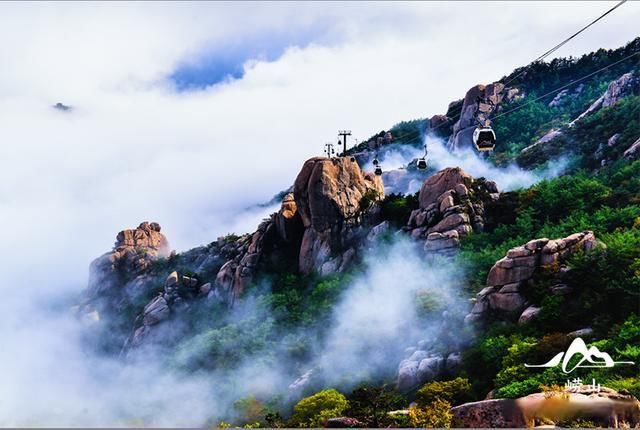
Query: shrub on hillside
point(314, 410)
point(455, 391)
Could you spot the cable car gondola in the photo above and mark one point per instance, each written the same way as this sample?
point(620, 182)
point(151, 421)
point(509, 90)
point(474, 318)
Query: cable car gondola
point(484, 138)
point(376, 162)
point(422, 162)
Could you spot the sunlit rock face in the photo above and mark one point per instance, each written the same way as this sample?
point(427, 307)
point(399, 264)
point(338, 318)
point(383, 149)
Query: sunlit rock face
point(133, 252)
point(332, 197)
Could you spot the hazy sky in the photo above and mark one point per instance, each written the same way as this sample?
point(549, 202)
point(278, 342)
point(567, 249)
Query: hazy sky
point(185, 113)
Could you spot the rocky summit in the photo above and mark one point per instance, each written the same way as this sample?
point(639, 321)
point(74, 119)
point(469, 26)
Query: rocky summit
point(333, 197)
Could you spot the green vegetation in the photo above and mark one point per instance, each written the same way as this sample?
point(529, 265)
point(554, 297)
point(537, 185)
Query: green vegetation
point(455, 392)
point(314, 410)
point(371, 405)
point(435, 415)
point(396, 208)
point(296, 300)
point(606, 203)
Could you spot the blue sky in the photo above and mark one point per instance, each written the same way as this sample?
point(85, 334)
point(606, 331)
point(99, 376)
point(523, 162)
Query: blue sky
point(215, 65)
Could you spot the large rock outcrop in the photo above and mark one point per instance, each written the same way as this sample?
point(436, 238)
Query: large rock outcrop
point(604, 407)
point(480, 102)
point(503, 297)
point(331, 197)
point(134, 251)
point(438, 354)
point(452, 204)
point(423, 366)
point(626, 85)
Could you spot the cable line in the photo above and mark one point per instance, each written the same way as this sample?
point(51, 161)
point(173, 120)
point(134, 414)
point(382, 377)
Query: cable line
point(531, 101)
point(559, 45)
point(564, 86)
point(540, 58)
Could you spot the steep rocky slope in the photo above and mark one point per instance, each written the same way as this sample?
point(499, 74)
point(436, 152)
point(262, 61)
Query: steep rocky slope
point(320, 225)
point(332, 197)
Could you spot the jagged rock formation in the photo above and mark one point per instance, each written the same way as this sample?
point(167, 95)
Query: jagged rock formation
point(626, 85)
point(481, 102)
point(178, 293)
point(134, 251)
point(237, 273)
point(452, 205)
point(503, 297)
point(332, 196)
point(320, 224)
point(606, 408)
point(288, 222)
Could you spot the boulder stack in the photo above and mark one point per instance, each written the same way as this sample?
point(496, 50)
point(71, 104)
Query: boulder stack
point(452, 204)
point(502, 296)
point(177, 295)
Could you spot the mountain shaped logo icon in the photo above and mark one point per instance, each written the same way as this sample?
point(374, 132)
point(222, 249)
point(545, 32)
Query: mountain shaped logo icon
point(591, 357)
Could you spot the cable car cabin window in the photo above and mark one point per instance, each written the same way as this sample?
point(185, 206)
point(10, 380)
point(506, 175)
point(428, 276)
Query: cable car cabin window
point(484, 139)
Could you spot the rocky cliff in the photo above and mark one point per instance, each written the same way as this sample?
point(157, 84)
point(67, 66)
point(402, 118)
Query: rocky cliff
point(333, 198)
point(556, 140)
point(626, 85)
point(332, 209)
